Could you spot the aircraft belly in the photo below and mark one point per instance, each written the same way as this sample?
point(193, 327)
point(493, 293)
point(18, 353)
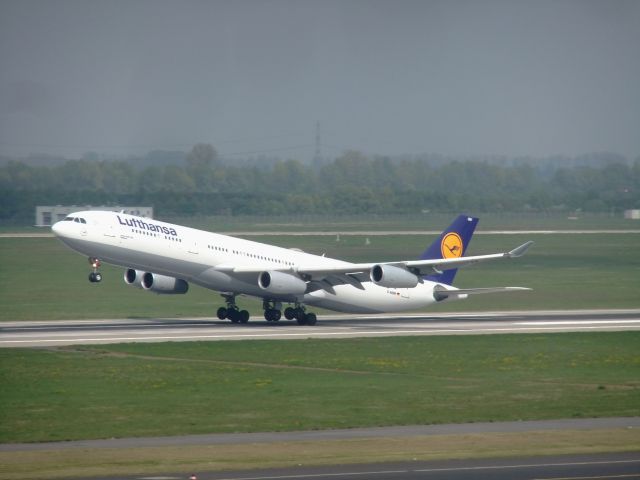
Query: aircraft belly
point(373, 299)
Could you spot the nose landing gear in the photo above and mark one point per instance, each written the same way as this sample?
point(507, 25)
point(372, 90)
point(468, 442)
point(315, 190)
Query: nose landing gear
point(95, 276)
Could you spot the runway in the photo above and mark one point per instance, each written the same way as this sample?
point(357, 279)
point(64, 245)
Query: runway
point(565, 467)
point(77, 332)
point(568, 466)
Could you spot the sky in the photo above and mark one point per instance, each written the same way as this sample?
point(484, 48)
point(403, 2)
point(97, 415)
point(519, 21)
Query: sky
point(390, 77)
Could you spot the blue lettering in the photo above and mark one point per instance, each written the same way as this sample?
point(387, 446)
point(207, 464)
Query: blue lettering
point(133, 222)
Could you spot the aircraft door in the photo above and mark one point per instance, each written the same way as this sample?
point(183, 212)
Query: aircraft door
point(193, 248)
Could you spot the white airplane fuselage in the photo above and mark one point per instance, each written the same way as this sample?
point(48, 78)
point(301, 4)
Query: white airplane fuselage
point(212, 261)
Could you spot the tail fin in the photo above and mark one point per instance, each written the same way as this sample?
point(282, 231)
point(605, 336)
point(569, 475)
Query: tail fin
point(452, 243)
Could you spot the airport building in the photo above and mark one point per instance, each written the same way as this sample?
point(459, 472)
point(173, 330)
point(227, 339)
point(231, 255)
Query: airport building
point(632, 214)
point(48, 215)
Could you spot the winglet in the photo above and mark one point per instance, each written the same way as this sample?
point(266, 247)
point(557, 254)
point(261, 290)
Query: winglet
point(519, 251)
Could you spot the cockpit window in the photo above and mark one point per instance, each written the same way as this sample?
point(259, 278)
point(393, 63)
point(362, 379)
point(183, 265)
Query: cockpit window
point(68, 219)
point(77, 220)
point(82, 220)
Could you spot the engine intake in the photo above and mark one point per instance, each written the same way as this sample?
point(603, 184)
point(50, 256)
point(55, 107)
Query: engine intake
point(163, 284)
point(133, 277)
point(392, 277)
point(281, 283)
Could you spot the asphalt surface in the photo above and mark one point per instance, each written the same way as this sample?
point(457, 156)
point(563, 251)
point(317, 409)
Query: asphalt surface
point(565, 467)
point(77, 332)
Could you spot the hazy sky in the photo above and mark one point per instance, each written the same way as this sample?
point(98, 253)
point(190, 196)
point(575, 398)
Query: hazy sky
point(394, 76)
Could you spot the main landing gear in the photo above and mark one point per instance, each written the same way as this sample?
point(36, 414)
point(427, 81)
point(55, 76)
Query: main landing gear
point(272, 313)
point(231, 311)
point(95, 276)
point(300, 314)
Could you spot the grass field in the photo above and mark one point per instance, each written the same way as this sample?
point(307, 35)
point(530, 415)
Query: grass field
point(172, 389)
point(42, 279)
point(178, 388)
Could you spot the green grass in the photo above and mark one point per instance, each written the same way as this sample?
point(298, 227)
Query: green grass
point(42, 279)
point(182, 388)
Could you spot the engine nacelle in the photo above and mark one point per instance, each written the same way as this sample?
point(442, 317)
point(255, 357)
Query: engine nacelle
point(163, 284)
point(392, 277)
point(133, 277)
point(281, 283)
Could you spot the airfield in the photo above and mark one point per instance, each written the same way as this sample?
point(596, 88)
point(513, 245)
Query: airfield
point(75, 355)
point(105, 331)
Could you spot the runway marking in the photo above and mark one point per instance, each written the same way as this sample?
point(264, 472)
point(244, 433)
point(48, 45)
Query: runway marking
point(531, 465)
point(577, 322)
point(317, 333)
point(316, 475)
point(628, 475)
point(447, 469)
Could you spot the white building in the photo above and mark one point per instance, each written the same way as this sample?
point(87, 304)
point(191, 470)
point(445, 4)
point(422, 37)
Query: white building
point(632, 214)
point(48, 215)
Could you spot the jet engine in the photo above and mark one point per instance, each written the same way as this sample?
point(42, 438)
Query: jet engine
point(281, 283)
point(392, 277)
point(163, 284)
point(133, 277)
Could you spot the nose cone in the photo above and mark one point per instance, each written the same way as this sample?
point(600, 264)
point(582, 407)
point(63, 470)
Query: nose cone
point(57, 229)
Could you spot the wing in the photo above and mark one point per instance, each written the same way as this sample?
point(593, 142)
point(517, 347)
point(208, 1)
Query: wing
point(419, 267)
point(327, 276)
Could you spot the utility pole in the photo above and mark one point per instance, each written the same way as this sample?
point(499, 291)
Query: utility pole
point(317, 158)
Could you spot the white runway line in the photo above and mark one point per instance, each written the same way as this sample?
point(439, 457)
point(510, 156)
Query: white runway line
point(578, 322)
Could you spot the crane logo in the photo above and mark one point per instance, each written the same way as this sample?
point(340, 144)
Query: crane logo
point(451, 245)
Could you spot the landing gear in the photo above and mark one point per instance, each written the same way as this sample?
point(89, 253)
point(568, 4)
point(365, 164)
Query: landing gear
point(231, 311)
point(300, 314)
point(95, 276)
point(272, 311)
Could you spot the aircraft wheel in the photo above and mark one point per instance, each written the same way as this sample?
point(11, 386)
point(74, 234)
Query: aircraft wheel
point(311, 319)
point(92, 277)
point(98, 277)
point(301, 318)
point(233, 315)
point(222, 313)
point(272, 315)
point(243, 316)
point(289, 313)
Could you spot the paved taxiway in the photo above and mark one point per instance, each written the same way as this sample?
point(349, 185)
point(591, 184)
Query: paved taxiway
point(609, 466)
point(595, 465)
point(77, 332)
point(576, 466)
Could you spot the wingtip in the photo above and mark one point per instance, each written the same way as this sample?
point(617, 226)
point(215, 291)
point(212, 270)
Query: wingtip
point(521, 250)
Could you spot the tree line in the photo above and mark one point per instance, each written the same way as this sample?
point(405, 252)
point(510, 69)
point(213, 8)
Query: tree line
point(353, 183)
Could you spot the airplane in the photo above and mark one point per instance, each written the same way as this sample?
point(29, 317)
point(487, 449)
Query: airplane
point(164, 258)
